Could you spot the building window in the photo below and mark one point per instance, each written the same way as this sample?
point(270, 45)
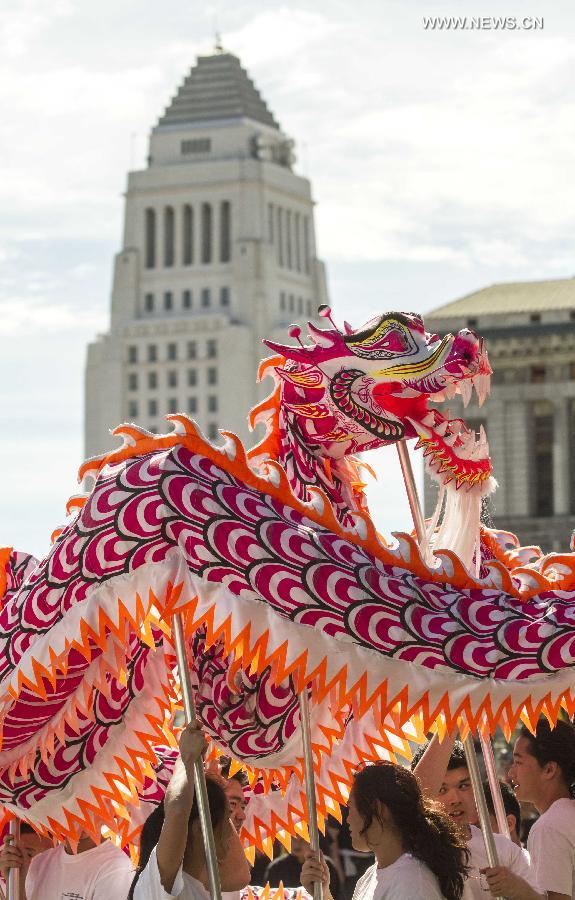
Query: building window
point(289, 238)
point(192, 404)
point(133, 409)
point(192, 377)
point(132, 354)
point(309, 308)
point(192, 349)
point(152, 353)
point(206, 298)
point(300, 306)
point(172, 378)
point(271, 223)
point(225, 231)
point(173, 405)
point(206, 233)
point(212, 431)
point(212, 403)
point(224, 296)
point(188, 235)
point(149, 303)
point(187, 300)
point(150, 238)
point(472, 323)
point(280, 236)
point(168, 300)
point(152, 407)
point(542, 458)
point(535, 318)
point(211, 348)
point(172, 351)
point(169, 236)
point(282, 300)
point(291, 303)
point(197, 145)
point(306, 250)
point(212, 375)
point(537, 374)
point(133, 382)
point(297, 242)
point(152, 380)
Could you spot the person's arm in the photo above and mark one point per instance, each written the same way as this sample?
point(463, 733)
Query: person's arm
point(313, 870)
point(431, 768)
point(178, 805)
point(504, 883)
point(13, 856)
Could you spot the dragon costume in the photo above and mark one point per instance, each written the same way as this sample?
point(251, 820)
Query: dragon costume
point(284, 584)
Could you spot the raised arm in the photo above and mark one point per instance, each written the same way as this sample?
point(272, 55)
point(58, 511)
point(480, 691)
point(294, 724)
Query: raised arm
point(178, 805)
point(431, 768)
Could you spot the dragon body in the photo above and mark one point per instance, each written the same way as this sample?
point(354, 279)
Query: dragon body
point(284, 583)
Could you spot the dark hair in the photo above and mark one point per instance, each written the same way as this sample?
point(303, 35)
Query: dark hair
point(554, 745)
point(151, 831)
point(457, 760)
point(510, 802)
point(426, 832)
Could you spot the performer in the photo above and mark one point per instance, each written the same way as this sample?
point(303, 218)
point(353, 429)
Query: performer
point(419, 853)
point(172, 861)
point(543, 772)
point(93, 872)
point(443, 775)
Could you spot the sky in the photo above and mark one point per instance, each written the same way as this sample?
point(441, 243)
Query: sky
point(441, 162)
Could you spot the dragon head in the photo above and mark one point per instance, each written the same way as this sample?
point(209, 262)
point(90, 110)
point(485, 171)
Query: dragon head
point(359, 389)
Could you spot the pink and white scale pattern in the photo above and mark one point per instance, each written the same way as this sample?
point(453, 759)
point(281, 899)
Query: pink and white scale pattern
point(262, 550)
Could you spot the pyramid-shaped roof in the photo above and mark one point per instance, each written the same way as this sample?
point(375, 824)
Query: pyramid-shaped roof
point(217, 87)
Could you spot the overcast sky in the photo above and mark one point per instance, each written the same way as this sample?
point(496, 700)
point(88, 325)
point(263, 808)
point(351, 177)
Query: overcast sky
point(440, 161)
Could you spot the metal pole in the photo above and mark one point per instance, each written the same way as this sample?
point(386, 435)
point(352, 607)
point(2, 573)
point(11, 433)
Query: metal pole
point(489, 760)
point(13, 880)
point(419, 524)
point(412, 498)
point(199, 774)
point(309, 775)
point(480, 800)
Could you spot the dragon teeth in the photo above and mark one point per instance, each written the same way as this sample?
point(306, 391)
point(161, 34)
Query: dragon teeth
point(482, 384)
point(450, 390)
point(465, 390)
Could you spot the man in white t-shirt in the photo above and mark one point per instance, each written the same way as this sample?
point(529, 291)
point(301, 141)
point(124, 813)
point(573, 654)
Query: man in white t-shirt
point(543, 773)
point(444, 776)
point(94, 872)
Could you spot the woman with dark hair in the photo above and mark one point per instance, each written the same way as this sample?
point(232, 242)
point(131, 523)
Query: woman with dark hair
point(172, 860)
point(543, 773)
point(419, 853)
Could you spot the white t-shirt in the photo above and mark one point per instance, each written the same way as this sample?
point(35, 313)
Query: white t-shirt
point(551, 845)
point(509, 854)
point(149, 885)
point(102, 873)
point(405, 879)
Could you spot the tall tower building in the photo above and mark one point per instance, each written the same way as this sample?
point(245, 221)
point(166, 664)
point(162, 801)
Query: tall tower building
point(218, 252)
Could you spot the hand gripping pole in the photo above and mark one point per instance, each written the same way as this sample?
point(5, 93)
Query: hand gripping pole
point(199, 774)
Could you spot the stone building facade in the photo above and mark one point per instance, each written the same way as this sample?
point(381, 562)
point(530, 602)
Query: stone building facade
point(529, 417)
point(218, 252)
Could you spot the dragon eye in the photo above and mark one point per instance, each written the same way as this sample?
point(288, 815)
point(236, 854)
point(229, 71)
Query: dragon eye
point(394, 341)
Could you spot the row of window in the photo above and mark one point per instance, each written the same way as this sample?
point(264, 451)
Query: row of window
point(187, 235)
point(172, 378)
point(289, 232)
point(292, 304)
point(534, 318)
point(174, 405)
point(212, 430)
point(172, 351)
point(152, 303)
